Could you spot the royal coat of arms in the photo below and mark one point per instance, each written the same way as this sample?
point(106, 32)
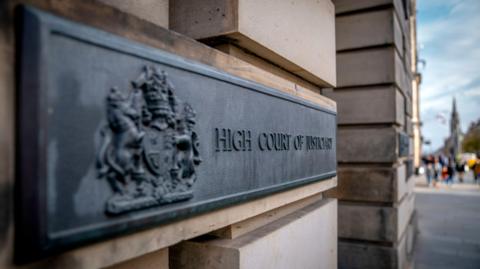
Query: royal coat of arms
point(148, 150)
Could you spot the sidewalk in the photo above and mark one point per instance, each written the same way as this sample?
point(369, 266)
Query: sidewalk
point(448, 225)
point(468, 184)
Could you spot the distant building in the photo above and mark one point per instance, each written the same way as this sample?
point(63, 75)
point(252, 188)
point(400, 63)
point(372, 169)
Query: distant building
point(416, 81)
point(453, 144)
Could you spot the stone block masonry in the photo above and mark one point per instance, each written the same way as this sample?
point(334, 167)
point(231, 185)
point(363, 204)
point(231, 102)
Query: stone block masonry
point(374, 102)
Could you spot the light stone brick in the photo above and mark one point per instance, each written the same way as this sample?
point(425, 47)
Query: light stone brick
point(155, 260)
point(155, 11)
point(366, 29)
point(369, 105)
point(347, 6)
point(408, 106)
point(409, 130)
point(361, 255)
point(297, 35)
point(370, 184)
point(374, 222)
point(367, 145)
point(369, 67)
point(366, 67)
point(304, 239)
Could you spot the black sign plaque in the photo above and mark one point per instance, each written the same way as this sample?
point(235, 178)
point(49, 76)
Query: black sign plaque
point(115, 136)
point(403, 144)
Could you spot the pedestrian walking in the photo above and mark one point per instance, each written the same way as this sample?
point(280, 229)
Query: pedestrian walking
point(476, 168)
point(450, 171)
point(460, 169)
point(437, 170)
point(429, 169)
point(429, 173)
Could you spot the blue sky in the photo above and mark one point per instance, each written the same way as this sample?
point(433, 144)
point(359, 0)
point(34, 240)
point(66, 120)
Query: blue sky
point(449, 41)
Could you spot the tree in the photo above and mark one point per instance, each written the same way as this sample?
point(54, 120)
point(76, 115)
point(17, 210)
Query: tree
point(471, 140)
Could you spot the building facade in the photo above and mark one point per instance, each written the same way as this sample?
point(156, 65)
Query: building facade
point(269, 105)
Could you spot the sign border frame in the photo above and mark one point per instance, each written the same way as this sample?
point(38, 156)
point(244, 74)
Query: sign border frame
point(32, 239)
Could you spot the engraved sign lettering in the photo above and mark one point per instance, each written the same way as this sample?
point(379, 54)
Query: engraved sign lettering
point(241, 140)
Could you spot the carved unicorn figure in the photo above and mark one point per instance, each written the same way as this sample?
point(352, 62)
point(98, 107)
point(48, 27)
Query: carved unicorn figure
point(122, 141)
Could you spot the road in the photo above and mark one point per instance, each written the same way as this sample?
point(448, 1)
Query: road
point(448, 226)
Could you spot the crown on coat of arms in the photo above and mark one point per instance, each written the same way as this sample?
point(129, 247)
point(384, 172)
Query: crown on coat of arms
point(157, 90)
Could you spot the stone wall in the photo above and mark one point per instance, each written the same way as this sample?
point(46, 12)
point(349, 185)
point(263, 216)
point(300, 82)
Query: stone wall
point(374, 98)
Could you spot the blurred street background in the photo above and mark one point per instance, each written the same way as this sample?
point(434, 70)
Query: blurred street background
point(448, 234)
point(447, 192)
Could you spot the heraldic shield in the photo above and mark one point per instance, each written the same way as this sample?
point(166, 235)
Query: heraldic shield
point(148, 150)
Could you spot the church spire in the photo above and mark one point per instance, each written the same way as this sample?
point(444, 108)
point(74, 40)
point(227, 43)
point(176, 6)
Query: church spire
point(454, 119)
point(454, 106)
point(455, 131)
